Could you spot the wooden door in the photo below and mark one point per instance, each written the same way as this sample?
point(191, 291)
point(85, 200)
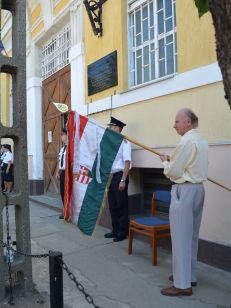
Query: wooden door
point(56, 88)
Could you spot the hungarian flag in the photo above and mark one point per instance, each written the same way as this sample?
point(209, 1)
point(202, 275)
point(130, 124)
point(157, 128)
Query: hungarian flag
point(91, 151)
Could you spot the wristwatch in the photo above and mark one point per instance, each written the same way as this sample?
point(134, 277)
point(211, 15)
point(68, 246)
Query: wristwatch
point(122, 180)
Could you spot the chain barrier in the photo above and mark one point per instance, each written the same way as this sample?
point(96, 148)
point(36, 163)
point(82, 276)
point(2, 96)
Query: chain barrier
point(79, 286)
point(11, 300)
point(38, 256)
point(45, 255)
point(64, 266)
point(3, 244)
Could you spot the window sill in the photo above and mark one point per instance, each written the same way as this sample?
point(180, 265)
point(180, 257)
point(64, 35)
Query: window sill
point(149, 83)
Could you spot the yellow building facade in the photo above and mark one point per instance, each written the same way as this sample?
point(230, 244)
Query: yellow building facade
point(6, 103)
point(196, 49)
point(166, 60)
point(150, 108)
point(5, 79)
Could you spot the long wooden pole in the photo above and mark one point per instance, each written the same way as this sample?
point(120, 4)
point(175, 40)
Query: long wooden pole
point(143, 146)
point(219, 184)
point(159, 153)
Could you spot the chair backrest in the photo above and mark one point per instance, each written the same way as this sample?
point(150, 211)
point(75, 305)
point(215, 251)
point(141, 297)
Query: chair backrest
point(162, 196)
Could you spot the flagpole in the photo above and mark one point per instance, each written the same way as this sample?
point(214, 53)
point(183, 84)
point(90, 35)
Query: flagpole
point(219, 184)
point(5, 52)
point(143, 146)
point(159, 154)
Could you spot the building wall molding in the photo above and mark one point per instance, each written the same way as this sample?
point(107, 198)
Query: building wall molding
point(36, 187)
point(52, 28)
point(47, 12)
point(34, 126)
point(180, 82)
point(77, 56)
point(34, 82)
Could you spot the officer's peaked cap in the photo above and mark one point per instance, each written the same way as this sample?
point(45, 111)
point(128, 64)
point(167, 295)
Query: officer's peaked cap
point(116, 122)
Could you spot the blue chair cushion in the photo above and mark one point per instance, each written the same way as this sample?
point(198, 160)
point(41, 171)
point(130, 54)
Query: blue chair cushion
point(163, 195)
point(151, 221)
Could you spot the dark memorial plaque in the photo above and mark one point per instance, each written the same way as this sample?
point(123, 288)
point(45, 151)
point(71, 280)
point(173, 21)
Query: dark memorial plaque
point(102, 74)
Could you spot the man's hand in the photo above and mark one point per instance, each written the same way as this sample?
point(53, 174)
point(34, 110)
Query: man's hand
point(164, 157)
point(122, 186)
point(57, 176)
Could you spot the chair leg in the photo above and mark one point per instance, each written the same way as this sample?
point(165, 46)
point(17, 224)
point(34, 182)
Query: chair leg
point(154, 248)
point(130, 239)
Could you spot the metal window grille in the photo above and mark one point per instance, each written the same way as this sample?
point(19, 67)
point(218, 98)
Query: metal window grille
point(152, 40)
point(55, 54)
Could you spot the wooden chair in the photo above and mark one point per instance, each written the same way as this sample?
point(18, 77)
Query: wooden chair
point(151, 225)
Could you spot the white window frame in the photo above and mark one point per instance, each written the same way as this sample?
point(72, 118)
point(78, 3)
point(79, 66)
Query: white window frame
point(132, 7)
point(55, 53)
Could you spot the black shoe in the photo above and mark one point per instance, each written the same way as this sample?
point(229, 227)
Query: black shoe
point(119, 238)
point(193, 283)
point(110, 235)
point(61, 217)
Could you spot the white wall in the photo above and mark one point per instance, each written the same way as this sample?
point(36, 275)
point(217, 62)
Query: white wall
point(34, 127)
point(34, 112)
point(216, 220)
point(77, 59)
point(134, 182)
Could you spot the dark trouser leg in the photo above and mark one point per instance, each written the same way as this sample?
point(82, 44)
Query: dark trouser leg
point(118, 205)
point(62, 181)
point(2, 181)
point(113, 209)
point(123, 213)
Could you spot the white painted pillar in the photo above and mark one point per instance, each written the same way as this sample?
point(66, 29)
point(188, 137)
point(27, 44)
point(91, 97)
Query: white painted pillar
point(34, 114)
point(77, 58)
point(47, 13)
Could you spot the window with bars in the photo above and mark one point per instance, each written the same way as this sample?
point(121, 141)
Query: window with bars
point(152, 40)
point(55, 54)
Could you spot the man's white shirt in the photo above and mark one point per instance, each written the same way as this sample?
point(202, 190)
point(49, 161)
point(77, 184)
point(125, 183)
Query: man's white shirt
point(124, 154)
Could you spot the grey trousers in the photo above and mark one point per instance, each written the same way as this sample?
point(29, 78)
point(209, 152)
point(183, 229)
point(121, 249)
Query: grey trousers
point(185, 218)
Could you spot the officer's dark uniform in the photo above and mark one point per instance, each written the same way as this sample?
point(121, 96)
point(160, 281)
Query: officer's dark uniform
point(62, 159)
point(118, 200)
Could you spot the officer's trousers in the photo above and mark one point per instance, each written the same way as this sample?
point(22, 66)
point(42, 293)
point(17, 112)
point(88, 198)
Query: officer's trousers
point(118, 205)
point(62, 184)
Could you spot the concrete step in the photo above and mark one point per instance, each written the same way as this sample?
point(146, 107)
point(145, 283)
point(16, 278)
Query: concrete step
point(54, 203)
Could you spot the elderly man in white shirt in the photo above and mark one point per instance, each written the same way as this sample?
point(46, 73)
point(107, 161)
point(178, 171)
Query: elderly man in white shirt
point(187, 169)
point(118, 190)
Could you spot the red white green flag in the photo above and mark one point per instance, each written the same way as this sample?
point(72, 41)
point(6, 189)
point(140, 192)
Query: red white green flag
point(91, 151)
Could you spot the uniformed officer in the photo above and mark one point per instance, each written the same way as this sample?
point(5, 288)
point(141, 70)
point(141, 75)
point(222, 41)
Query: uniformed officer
point(2, 155)
point(7, 164)
point(118, 190)
point(62, 159)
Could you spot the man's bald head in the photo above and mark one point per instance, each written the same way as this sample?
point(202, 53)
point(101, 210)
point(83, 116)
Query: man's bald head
point(191, 115)
point(185, 120)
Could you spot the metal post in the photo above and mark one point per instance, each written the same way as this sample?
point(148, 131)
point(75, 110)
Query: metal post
point(56, 280)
